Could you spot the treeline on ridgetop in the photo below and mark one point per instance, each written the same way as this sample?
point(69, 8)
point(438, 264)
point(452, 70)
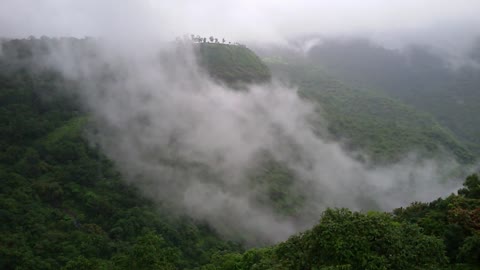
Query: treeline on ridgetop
point(63, 204)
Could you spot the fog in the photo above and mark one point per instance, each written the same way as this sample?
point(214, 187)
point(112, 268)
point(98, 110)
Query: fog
point(249, 21)
point(194, 144)
point(191, 142)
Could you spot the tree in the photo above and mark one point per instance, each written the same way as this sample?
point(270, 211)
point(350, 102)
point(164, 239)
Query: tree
point(470, 250)
point(352, 240)
point(151, 252)
point(471, 187)
point(211, 39)
point(80, 263)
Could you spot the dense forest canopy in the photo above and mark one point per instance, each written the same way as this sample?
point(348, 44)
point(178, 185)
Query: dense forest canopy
point(65, 204)
point(240, 135)
point(428, 79)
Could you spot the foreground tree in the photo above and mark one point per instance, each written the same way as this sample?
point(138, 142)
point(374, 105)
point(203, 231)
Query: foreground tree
point(346, 240)
point(350, 240)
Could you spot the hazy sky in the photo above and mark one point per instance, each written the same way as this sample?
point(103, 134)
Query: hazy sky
point(244, 20)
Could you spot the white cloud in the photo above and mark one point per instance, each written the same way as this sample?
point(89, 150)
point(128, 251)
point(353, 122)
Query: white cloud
point(237, 20)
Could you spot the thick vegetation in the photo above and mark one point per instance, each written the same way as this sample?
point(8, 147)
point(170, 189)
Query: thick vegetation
point(383, 127)
point(417, 76)
point(443, 234)
point(347, 240)
point(233, 64)
point(63, 205)
point(455, 219)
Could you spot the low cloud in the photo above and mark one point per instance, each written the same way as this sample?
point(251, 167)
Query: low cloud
point(250, 21)
point(193, 143)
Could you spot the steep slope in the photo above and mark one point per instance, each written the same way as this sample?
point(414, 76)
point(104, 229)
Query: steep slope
point(416, 76)
point(63, 204)
point(233, 64)
point(443, 234)
point(384, 127)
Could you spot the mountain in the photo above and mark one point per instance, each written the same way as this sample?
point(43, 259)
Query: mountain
point(64, 204)
point(418, 76)
point(442, 234)
point(233, 64)
point(369, 121)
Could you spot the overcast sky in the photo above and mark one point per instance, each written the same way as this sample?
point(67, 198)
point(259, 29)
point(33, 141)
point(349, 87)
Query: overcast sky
point(246, 20)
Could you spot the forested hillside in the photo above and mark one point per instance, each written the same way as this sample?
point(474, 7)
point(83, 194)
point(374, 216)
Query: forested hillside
point(233, 64)
point(443, 234)
point(383, 127)
point(64, 205)
point(419, 76)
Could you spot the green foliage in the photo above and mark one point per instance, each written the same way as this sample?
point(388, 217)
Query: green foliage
point(150, 252)
point(253, 259)
point(442, 234)
point(383, 127)
point(471, 187)
point(417, 76)
point(364, 241)
point(275, 183)
point(62, 203)
point(455, 219)
point(346, 240)
point(233, 64)
point(470, 250)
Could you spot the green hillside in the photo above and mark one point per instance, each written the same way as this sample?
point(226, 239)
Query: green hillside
point(64, 205)
point(383, 127)
point(418, 76)
point(232, 64)
point(443, 234)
